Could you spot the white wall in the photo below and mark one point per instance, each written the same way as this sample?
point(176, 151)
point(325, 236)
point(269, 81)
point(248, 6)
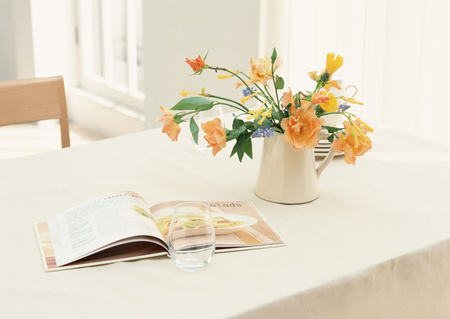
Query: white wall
point(37, 39)
point(54, 48)
point(396, 52)
point(175, 30)
point(16, 44)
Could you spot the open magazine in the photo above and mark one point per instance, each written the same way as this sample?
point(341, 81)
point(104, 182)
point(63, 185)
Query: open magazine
point(120, 226)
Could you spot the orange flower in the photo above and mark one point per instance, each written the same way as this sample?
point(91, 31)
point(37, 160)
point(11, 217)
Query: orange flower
point(306, 104)
point(302, 129)
point(354, 142)
point(196, 64)
point(332, 84)
point(215, 135)
point(317, 98)
point(288, 97)
point(313, 75)
point(171, 128)
point(261, 70)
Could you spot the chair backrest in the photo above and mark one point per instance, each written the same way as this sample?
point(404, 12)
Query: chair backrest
point(32, 100)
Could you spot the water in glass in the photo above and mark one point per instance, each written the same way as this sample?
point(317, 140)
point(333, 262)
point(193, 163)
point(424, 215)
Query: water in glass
point(191, 236)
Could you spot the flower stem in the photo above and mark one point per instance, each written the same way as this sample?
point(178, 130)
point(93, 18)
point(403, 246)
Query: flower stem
point(274, 85)
point(327, 113)
point(279, 130)
point(225, 99)
point(233, 106)
point(187, 113)
point(236, 75)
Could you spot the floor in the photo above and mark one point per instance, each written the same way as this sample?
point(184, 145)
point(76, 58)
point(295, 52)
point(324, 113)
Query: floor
point(27, 139)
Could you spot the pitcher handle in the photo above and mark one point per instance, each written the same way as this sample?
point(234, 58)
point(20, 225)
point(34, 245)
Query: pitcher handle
point(351, 86)
point(327, 159)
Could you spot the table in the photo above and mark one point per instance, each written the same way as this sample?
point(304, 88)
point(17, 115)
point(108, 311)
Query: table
point(375, 244)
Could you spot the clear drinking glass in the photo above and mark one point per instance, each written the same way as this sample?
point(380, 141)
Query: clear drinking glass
point(191, 238)
point(203, 117)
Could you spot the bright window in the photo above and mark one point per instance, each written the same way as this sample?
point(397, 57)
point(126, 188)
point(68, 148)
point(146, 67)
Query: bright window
point(111, 49)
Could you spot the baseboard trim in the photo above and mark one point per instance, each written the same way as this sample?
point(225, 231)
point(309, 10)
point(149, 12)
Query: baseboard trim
point(102, 116)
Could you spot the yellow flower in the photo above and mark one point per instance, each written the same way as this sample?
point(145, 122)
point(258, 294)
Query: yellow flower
point(355, 136)
point(185, 93)
point(267, 113)
point(359, 131)
point(227, 76)
point(365, 125)
point(351, 100)
point(224, 76)
point(333, 63)
point(255, 113)
point(248, 97)
point(331, 105)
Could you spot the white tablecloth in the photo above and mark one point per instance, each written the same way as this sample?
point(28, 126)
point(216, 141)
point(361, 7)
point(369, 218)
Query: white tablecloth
point(375, 244)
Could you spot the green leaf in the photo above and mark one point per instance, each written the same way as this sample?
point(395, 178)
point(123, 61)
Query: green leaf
point(243, 146)
point(235, 133)
point(276, 116)
point(206, 56)
point(250, 126)
point(236, 147)
point(194, 130)
point(331, 138)
point(274, 55)
point(265, 122)
point(195, 103)
point(237, 123)
point(178, 118)
point(332, 129)
point(248, 147)
point(279, 83)
point(241, 149)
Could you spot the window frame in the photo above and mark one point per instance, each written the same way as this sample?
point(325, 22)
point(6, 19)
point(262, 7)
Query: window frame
point(127, 96)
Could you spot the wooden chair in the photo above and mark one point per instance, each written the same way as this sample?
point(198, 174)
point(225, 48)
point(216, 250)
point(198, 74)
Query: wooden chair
point(32, 100)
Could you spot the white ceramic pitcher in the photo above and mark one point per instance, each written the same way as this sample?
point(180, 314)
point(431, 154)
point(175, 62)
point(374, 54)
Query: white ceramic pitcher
point(286, 176)
point(344, 88)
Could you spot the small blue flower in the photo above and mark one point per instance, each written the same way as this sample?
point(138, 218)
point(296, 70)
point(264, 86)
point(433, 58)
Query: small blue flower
point(265, 131)
point(247, 92)
point(344, 107)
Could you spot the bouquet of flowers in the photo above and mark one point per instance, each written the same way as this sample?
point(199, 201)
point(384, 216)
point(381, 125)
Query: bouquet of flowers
point(299, 117)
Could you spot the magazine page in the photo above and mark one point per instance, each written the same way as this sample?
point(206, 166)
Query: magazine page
point(101, 223)
point(238, 225)
point(124, 252)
